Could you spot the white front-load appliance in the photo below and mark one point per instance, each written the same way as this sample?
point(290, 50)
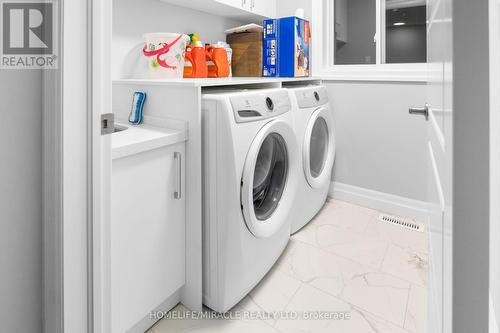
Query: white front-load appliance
point(250, 172)
point(314, 127)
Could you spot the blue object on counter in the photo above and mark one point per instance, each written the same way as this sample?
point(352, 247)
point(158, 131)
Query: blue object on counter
point(135, 116)
point(286, 44)
point(270, 48)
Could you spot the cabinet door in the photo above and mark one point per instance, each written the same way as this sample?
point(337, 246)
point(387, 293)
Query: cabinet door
point(244, 4)
point(147, 233)
point(265, 8)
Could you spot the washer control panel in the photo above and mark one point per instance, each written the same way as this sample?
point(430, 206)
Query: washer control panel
point(312, 96)
point(259, 104)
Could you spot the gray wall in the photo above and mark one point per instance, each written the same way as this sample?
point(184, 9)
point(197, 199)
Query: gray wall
point(21, 201)
point(360, 31)
point(379, 145)
point(471, 181)
point(406, 44)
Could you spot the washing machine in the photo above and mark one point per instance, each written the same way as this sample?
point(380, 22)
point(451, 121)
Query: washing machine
point(314, 128)
point(250, 173)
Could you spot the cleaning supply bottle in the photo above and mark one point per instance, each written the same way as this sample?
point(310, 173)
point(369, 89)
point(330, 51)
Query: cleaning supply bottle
point(218, 65)
point(196, 64)
point(229, 51)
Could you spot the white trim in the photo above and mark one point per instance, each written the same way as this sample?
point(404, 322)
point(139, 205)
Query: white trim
point(385, 202)
point(100, 89)
point(379, 34)
point(76, 175)
point(387, 72)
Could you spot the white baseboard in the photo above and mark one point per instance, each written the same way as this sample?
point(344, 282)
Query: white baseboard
point(388, 203)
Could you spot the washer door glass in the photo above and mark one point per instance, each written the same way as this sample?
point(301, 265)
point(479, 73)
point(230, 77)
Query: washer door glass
point(318, 147)
point(270, 175)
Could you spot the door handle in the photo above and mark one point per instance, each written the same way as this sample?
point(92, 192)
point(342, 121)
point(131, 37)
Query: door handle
point(178, 175)
point(422, 111)
point(107, 123)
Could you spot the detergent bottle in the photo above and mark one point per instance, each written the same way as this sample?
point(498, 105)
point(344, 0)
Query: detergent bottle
point(197, 66)
point(218, 64)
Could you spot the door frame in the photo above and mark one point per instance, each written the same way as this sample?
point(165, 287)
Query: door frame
point(71, 182)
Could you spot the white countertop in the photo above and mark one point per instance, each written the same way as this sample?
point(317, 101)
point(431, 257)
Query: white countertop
point(213, 82)
point(141, 138)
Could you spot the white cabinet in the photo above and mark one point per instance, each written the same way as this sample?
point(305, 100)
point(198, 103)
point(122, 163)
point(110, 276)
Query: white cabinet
point(242, 4)
point(148, 214)
point(243, 10)
point(263, 7)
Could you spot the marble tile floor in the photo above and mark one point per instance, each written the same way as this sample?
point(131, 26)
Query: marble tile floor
point(347, 271)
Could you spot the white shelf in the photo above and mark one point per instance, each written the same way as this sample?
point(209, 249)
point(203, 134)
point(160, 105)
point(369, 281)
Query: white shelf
point(214, 82)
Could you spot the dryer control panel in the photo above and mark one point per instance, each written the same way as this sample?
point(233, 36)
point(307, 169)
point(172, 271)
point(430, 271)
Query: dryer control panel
point(258, 105)
point(310, 97)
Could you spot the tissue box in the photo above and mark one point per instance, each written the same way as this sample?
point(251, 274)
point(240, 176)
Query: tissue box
point(286, 47)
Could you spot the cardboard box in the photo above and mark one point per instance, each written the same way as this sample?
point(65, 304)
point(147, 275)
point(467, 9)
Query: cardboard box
point(286, 47)
point(270, 48)
point(247, 53)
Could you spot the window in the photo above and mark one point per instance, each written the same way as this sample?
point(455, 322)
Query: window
point(355, 29)
point(405, 32)
point(376, 32)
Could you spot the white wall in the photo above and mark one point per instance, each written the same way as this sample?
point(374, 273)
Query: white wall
point(287, 7)
point(133, 18)
point(21, 201)
point(379, 145)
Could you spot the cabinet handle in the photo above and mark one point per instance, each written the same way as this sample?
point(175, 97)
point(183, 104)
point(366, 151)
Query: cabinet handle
point(178, 173)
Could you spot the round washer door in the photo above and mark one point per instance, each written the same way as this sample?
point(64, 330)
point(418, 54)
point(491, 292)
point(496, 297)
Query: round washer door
point(319, 148)
point(269, 179)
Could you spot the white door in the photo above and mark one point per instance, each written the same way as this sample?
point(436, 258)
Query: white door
point(269, 179)
point(318, 153)
point(440, 145)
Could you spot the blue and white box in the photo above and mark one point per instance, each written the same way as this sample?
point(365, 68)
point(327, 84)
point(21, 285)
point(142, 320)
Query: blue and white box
point(286, 47)
point(270, 48)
